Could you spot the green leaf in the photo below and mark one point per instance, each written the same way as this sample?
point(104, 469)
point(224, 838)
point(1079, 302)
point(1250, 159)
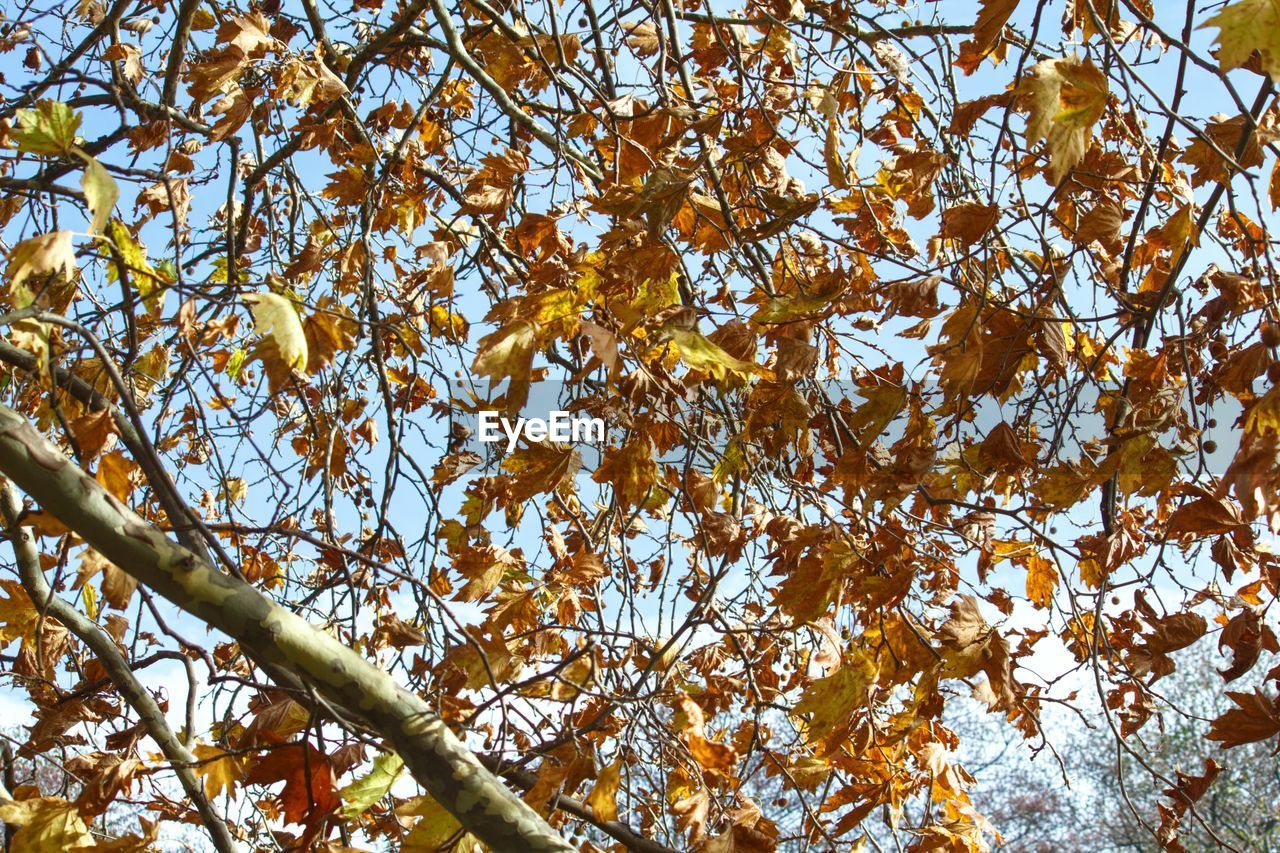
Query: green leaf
point(364, 792)
point(100, 191)
point(700, 353)
point(145, 279)
point(49, 129)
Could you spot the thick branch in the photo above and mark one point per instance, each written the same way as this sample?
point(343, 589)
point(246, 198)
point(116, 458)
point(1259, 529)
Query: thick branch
point(276, 637)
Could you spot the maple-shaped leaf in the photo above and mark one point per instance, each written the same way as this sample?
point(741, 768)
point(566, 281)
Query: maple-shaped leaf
point(329, 330)
point(1042, 578)
point(45, 824)
point(49, 129)
point(1204, 516)
point(219, 69)
point(507, 352)
point(540, 467)
point(130, 58)
point(630, 469)
point(18, 617)
point(308, 795)
point(368, 789)
point(828, 703)
point(220, 769)
point(1256, 717)
point(1064, 98)
point(483, 567)
point(277, 321)
point(1244, 27)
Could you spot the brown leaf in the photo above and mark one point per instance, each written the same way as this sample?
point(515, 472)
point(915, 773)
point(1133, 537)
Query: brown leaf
point(992, 16)
point(969, 222)
point(1243, 636)
point(1255, 718)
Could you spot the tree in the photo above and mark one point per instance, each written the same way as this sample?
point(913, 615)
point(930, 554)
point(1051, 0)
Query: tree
point(1116, 796)
point(928, 341)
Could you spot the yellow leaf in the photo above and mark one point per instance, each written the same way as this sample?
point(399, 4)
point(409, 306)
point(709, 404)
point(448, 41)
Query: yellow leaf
point(41, 256)
point(1042, 578)
point(700, 353)
point(277, 321)
point(1247, 26)
point(603, 798)
point(436, 828)
point(829, 702)
point(89, 596)
point(44, 824)
point(508, 352)
point(18, 617)
point(234, 489)
point(219, 769)
point(1065, 98)
point(137, 269)
point(361, 794)
point(116, 474)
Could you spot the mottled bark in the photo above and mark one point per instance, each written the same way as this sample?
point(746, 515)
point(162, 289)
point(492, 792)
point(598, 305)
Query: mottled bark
point(277, 637)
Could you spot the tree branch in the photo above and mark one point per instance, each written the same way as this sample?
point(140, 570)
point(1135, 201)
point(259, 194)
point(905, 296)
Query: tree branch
point(115, 665)
point(276, 637)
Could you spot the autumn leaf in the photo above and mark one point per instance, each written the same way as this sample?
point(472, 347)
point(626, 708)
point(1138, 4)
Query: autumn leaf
point(276, 320)
point(701, 354)
point(35, 258)
point(18, 617)
point(1204, 516)
point(100, 193)
point(308, 795)
point(992, 16)
point(368, 789)
point(540, 467)
point(1255, 718)
point(483, 567)
point(434, 829)
point(220, 770)
point(506, 353)
point(1064, 99)
point(44, 824)
point(1175, 631)
point(828, 702)
point(967, 223)
point(49, 129)
point(1246, 26)
point(1042, 579)
point(604, 793)
point(630, 469)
